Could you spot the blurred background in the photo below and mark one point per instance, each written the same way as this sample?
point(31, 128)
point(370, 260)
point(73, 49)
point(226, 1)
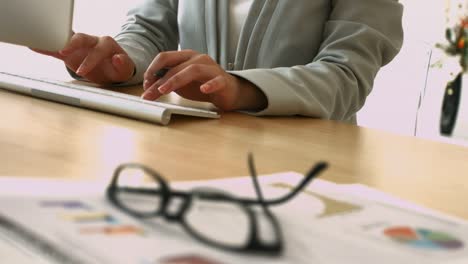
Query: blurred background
point(407, 95)
point(423, 19)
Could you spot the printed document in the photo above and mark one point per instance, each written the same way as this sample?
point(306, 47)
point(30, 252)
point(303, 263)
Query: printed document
point(326, 223)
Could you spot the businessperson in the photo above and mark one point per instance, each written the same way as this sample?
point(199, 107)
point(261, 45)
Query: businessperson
point(314, 58)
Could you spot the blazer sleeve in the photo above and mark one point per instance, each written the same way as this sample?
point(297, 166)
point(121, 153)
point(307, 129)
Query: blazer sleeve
point(150, 28)
point(359, 38)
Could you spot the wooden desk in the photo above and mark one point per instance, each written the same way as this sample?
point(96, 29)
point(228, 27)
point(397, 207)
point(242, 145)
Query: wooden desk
point(45, 139)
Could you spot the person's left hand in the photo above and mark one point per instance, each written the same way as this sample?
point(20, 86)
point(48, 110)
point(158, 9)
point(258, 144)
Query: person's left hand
point(198, 77)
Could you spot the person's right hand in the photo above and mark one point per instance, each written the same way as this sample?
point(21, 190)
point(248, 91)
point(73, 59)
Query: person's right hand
point(97, 59)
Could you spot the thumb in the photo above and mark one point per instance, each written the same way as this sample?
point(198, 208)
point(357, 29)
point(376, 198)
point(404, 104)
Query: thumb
point(123, 68)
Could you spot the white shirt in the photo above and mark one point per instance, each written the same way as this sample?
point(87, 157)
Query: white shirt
point(238, 11)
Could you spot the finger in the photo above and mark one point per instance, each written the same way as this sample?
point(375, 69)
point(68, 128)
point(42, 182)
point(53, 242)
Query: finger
point(201, 59)
point(151, 94)
point(166, 60)
point(118, 69)
point(79, 41)
point(104, 49)
point(157, 76)
point(214, 85)
point(164, 74)
point(48, 53)
point(168, 73)
point(124, 67)
point(192, 73)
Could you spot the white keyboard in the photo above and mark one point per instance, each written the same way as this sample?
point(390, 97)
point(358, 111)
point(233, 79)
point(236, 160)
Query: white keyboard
point(98, 99)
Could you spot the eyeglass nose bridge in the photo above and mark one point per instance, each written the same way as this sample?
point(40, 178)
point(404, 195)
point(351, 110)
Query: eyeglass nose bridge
point(178, 213)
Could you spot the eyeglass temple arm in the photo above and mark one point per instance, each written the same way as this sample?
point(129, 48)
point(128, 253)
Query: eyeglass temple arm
point(312, 174)
point(253, 172)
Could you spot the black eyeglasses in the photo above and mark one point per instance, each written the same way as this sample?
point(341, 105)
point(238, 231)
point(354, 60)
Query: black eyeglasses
point(249, 229)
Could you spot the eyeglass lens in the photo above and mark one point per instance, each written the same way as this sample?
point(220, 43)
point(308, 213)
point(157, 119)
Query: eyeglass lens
point(131, 179)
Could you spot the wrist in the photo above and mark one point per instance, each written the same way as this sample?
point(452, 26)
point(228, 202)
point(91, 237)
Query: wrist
point(250, 97)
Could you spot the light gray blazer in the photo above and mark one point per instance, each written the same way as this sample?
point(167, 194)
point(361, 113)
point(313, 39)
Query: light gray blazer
point(313, 58)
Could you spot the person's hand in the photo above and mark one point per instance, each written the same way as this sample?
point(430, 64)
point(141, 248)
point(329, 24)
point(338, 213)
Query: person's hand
point(97, 59)
point(198, 77)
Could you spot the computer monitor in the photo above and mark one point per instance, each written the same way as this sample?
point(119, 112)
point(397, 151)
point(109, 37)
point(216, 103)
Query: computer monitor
point(40, 24)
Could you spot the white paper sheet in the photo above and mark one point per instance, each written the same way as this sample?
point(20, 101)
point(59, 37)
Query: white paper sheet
point(327, 223)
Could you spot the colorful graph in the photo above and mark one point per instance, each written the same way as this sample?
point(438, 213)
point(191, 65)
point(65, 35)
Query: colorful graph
point(114, 230)
point(423, 238)
point(68, 204)
point(88, 217)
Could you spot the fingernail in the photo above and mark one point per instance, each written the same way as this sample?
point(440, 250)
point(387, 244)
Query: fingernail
point(205, 88)
point(164, 89)
point(145, 84)
point(63, 52)
point(79, 71)
point(146, 95)
point(118, 60)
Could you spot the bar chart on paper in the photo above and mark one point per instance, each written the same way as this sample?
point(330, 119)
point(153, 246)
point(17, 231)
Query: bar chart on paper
point(423, 238)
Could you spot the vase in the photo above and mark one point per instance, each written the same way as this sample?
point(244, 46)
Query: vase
point(454, 114)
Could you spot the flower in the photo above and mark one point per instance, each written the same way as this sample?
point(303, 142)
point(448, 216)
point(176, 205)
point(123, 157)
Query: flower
point(457, 37)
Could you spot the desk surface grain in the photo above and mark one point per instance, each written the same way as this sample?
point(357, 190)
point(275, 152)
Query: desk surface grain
point(44, 139)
